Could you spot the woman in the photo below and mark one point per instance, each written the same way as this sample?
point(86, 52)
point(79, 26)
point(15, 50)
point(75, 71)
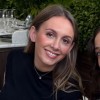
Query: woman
point(94, 47)
point(94, 51)
point(90, 70)
point(46, 69)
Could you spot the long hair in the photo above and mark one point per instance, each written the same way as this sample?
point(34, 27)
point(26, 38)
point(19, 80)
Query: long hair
point(91, 46)
point(95, 72)
point(65, 69)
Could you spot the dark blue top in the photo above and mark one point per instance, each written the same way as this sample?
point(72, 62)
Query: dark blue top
point(22, 82)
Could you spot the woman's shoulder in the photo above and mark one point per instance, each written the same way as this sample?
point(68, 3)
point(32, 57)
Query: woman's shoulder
point(18, 54)
point(18, 58)
point(17, 61)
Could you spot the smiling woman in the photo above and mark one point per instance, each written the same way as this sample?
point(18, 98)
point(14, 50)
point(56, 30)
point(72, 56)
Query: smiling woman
point(53, 42)
point(46, 69)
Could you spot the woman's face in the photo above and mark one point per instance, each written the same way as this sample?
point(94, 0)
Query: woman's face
point(97, 47)
point(53, 41)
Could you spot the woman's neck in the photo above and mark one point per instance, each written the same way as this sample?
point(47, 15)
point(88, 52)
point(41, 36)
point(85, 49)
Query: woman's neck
point(43, 68)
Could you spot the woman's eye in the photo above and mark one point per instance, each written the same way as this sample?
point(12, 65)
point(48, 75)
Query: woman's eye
point(98, 53)
point(50, 34)
point(67, 41)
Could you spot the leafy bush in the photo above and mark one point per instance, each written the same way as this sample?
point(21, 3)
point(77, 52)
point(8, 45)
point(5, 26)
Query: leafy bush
point(87, 14)
point(24, 7)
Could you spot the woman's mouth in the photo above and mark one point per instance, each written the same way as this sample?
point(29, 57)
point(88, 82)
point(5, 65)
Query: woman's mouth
point(51, 55)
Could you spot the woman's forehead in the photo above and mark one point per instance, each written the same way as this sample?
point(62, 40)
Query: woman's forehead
point(60, 24)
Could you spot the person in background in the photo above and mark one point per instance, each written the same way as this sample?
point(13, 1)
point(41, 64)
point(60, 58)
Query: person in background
point(94, 52)
point(94, 48)
point(45, 70)
point(88, 65)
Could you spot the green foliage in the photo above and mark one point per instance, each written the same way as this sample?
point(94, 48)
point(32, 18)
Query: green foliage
point(87, 14)
point(65, 3)
point(25, 7)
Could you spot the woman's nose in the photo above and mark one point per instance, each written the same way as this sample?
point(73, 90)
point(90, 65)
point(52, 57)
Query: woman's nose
point(55, 45)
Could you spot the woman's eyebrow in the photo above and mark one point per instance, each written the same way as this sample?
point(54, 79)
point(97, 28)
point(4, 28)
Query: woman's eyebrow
point(97, 48)
point(56, 32)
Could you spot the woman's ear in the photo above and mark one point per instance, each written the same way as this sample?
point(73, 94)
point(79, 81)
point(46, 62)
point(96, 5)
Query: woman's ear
point(32, 34)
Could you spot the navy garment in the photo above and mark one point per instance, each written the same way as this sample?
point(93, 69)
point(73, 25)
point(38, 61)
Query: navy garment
point(22, 82)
